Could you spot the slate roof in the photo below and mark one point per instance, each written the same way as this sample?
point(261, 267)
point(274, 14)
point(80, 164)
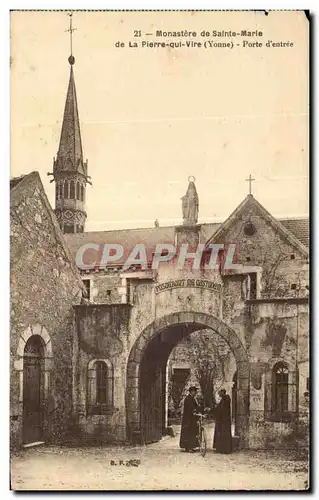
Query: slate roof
point(70, 141)
point(70, 153)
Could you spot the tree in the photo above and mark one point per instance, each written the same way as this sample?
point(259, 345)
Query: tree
point(209, 360)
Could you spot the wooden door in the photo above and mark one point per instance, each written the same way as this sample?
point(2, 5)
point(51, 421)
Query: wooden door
point(32, 392)
point(152, 386)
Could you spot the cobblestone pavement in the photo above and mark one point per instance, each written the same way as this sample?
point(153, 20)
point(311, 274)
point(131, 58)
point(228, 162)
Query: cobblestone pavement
point(162, 467)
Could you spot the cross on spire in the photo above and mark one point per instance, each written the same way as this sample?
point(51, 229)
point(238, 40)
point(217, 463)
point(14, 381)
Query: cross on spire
point(70, 30)
point(250, 180)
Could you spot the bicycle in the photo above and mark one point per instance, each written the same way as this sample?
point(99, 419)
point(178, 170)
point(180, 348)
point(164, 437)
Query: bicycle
point(201, 436)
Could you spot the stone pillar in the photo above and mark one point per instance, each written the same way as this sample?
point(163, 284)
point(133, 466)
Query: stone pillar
point(187, 235)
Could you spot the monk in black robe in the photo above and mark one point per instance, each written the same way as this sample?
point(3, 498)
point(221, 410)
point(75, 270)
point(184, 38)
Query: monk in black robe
point(189, 438)
point(222, 435)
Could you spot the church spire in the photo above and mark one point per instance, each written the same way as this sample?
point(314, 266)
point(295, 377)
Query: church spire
point(70, 152)
point(69, 169)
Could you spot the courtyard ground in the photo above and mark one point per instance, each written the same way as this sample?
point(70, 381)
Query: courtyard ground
point(159, 466)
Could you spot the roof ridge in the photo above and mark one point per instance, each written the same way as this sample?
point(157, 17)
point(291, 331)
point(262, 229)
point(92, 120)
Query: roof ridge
point(142, 228)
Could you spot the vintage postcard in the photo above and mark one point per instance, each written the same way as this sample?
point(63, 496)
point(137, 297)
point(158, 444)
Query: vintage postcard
point(159, 250)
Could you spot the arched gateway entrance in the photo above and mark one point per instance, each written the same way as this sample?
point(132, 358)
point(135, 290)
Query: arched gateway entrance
point(146, 370)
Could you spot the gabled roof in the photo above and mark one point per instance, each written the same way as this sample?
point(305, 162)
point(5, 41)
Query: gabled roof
point(276, 224)
point(19, 191)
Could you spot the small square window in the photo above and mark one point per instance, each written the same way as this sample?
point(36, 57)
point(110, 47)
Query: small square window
point(248, 259)
point(108, 293)
point(292, 256)
point(293, 286)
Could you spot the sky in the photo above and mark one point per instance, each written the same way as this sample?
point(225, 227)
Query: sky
point(150, 118)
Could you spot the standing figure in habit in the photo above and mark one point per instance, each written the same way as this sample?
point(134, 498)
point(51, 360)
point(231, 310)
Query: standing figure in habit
point(189, 439)
point(190, 204)
point(222, 435)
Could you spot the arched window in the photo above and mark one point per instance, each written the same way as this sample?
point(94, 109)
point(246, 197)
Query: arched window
point(100, 387)
point(82, 192)
point(101, 382)
point(281, 385)
point(77, 190)
point(66, 190)
point(72, 190)
point(280, 388)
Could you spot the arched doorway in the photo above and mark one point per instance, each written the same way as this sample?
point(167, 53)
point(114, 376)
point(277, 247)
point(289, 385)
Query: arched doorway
point(33, 389)
point(146, 372)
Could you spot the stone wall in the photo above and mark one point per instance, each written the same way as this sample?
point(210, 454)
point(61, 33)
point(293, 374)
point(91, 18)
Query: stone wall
point(282, 261)
point(267, 328)
point(279, 332)
point(44, 285)
point(103, 334)
point(104, 287)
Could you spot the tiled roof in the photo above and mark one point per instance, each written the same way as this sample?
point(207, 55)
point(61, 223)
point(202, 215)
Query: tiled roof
point(125, 237)
point(299, 228)
point(128, 238)
point(149, 236)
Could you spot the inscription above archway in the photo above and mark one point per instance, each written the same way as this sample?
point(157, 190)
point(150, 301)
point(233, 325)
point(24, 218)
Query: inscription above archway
point(188, 283)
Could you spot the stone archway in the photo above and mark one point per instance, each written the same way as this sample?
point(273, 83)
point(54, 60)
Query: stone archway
point(203, 321)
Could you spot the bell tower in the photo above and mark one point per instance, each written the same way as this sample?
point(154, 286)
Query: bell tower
point(70, 171)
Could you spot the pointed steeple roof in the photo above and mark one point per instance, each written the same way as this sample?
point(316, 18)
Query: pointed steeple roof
point(70, 154)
